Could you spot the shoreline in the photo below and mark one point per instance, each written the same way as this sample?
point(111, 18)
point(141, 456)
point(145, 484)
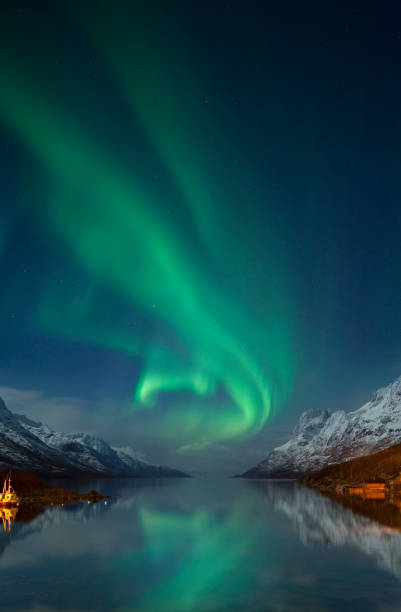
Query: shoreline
point(31, 489)
point(51, 497)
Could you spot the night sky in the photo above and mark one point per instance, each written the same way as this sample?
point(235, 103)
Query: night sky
point(200, 218)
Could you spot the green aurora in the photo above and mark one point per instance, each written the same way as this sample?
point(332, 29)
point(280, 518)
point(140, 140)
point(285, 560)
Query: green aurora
point(178, 251)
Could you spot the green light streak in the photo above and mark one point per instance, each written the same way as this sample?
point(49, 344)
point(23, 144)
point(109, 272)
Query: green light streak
point(117, 232)
point(158, 84)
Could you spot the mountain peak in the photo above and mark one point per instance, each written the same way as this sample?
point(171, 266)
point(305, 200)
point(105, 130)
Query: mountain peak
point(33, 446)
point(322, 438)
point(310, 422)
point(5, 413)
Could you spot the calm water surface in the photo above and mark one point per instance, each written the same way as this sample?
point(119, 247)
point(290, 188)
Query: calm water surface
point(199, 545)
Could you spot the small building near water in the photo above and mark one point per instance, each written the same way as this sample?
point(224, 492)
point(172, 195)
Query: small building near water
point(369, 490)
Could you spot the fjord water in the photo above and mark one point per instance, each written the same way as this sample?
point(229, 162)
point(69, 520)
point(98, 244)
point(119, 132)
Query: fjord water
point(198, 545)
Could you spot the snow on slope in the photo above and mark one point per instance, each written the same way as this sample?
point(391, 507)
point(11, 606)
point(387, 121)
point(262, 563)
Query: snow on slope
point(20, 447)
point(322, 438)
point(91, 453)
point(81, 448)
point(28, 445)
point(128, 456)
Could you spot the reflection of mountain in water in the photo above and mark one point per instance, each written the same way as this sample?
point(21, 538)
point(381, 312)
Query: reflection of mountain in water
point(322, 521)
point(47, 530)
point(33, 520)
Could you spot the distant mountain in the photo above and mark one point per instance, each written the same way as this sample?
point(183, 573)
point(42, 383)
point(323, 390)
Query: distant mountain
point(322, 438)
point(28, 445)
point(142, 468)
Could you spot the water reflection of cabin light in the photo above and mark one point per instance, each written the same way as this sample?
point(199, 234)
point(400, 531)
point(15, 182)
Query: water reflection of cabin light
point(105, 503)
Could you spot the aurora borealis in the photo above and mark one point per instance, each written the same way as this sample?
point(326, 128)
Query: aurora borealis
point(195, 213)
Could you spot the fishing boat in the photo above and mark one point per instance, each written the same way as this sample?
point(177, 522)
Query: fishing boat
point(8, 496)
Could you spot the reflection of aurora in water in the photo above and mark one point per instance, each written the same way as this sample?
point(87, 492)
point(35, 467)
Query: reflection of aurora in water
point(206, 558)
point(193, 554)
point(194, 546)
point(190, 266)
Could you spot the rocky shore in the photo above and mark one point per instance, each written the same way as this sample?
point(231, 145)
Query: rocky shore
point(31, 489)
point(50, 497)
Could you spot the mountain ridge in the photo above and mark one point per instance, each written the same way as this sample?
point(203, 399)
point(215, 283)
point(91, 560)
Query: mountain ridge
point(29, 445)
point(323, 438)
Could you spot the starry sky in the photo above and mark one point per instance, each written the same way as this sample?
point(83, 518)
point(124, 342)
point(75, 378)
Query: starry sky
point(200, 219)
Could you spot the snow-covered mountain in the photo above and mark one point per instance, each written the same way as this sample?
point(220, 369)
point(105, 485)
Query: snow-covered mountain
point(20, 448)
point(322, 438)
point(28, 445)
point(128, 456)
